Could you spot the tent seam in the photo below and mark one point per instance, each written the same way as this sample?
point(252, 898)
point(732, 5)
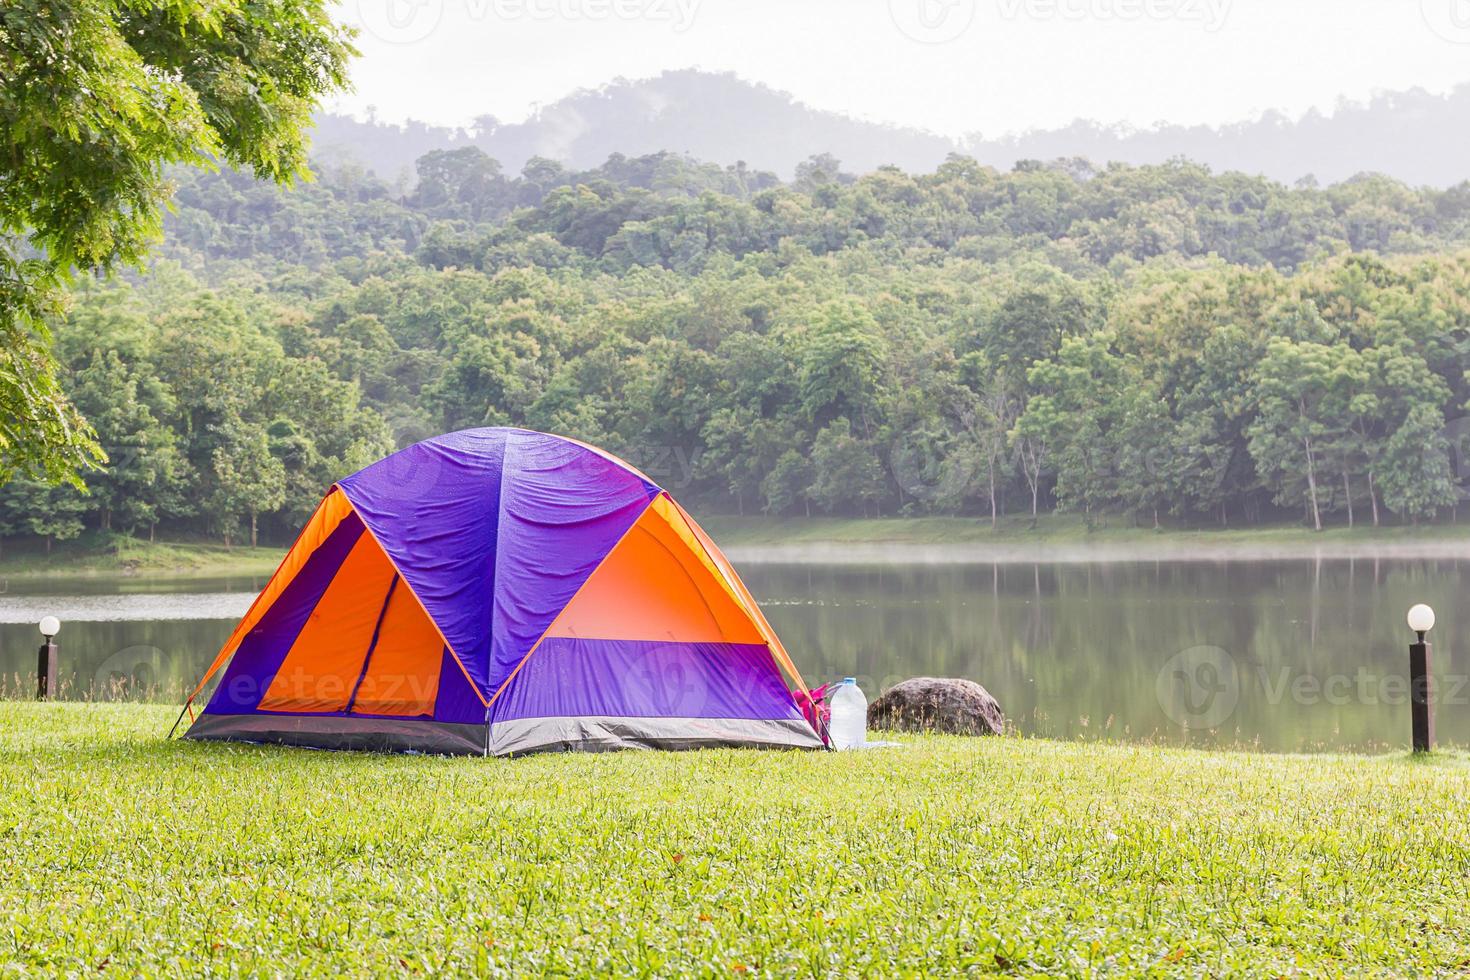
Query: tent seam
point(506, 474)
point(367, 658)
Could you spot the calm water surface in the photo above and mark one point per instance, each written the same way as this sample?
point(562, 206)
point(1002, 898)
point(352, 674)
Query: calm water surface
point(1284, 655)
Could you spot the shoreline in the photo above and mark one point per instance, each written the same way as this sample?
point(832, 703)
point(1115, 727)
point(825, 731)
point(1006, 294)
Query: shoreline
point(876, 541)
point(143, 560)
point(1065, 540)
point(1050, 553)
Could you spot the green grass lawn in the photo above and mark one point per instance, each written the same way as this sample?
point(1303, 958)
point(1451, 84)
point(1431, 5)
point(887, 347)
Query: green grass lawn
point(120, 850)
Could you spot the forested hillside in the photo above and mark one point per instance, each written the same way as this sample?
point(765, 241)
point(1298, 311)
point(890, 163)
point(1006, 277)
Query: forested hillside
point(1130, 343)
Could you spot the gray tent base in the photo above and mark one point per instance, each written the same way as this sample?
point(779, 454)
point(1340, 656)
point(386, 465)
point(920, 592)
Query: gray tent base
point(519, 737)
point(341, 732)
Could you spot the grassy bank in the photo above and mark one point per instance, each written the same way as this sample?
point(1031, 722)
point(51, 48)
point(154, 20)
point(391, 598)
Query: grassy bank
point(123, 851)
point(117, 555)
point(1050, 529)
point(1054, 536)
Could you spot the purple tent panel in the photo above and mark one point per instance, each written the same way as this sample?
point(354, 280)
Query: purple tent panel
point(495, 530)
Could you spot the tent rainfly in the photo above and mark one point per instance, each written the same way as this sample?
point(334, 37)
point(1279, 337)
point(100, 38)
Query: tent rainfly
point(500, 591)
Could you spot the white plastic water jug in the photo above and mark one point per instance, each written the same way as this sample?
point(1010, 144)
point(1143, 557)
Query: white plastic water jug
point(849, 716)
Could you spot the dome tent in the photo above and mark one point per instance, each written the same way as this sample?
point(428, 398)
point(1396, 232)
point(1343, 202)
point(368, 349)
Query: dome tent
point(500, 591)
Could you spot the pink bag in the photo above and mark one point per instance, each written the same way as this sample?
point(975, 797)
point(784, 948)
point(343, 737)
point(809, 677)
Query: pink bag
point(817, 711)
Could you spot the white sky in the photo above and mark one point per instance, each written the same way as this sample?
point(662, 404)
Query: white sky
point(1015, 64)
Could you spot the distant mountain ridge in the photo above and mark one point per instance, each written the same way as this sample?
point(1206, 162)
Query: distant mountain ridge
point(1414, 136)
point(717, 118)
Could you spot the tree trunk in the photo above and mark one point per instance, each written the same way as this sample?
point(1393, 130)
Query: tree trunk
point(1373, 496)
point(152, 530)
point(1312, 485)
point(254, 541)
point(1347, 488)
point(994, 514)
point(1031, 467)
point(1156, 518)
point(48, 545)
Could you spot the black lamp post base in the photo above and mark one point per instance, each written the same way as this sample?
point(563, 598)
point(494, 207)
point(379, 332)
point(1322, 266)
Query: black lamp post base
point(46, 671)
point(1421, 696)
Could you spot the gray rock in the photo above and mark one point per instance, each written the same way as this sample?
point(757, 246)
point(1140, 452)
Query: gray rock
point(937, 704)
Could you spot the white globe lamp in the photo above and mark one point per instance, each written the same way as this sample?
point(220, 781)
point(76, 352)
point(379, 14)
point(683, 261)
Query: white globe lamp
point(1421, 619)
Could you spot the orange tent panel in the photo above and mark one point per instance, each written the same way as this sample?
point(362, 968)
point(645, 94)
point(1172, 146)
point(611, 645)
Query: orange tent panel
point(731, 579)
point(323, 664)
point(654, 586)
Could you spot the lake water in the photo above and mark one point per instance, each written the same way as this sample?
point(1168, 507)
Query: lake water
point(1282, 655)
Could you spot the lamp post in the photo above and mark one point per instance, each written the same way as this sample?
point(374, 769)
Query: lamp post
point(46, 659)
point(1421, 685)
